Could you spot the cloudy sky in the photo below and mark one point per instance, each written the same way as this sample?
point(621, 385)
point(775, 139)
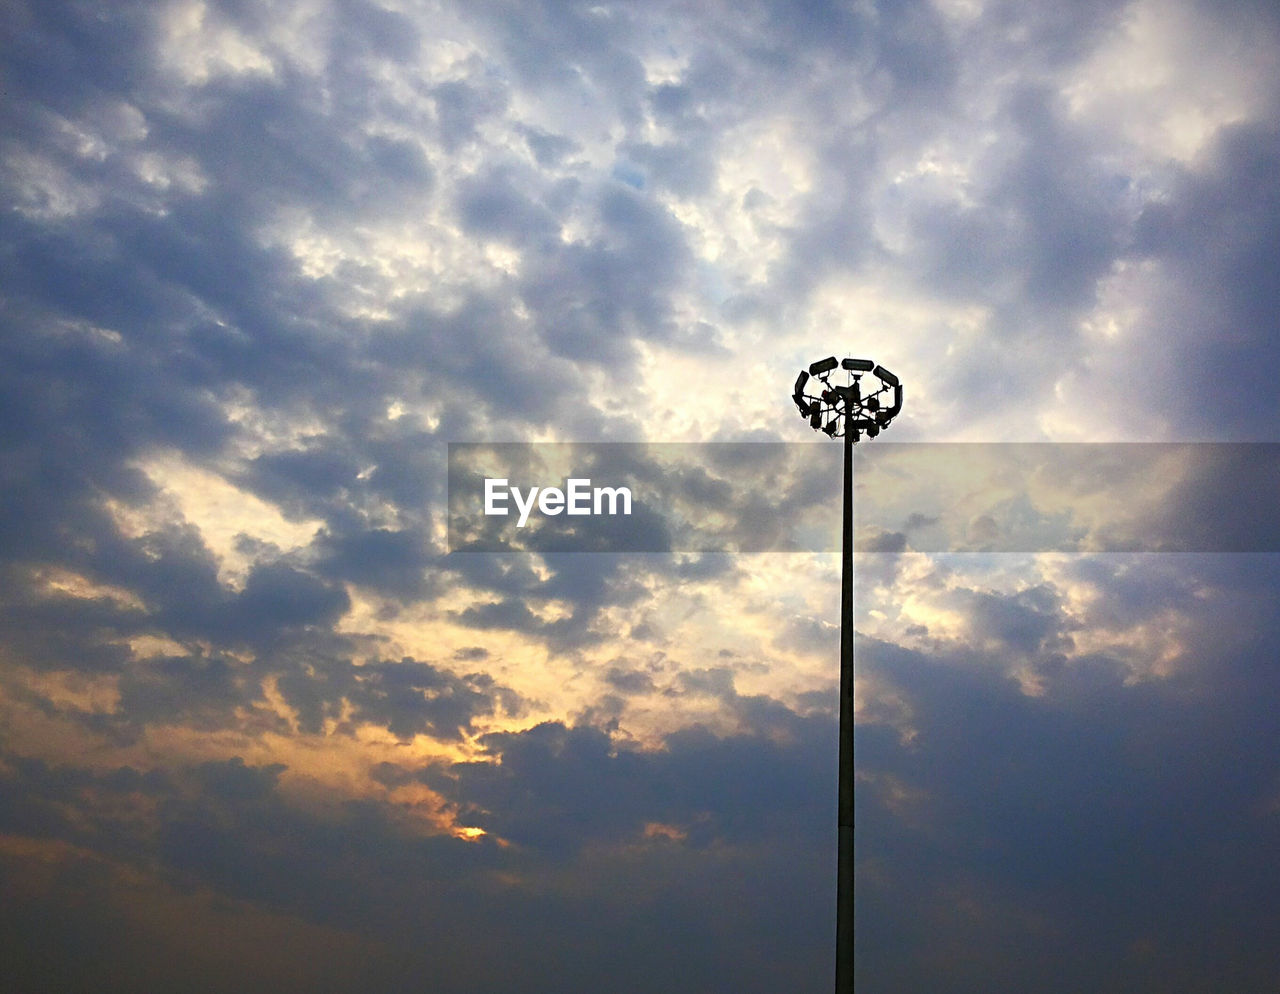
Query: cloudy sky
point(262, 729)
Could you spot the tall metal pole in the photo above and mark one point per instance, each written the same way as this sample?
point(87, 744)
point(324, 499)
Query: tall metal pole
point(856, 414)
point(844, 865)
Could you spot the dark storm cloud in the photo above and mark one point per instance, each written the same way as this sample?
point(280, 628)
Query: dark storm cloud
point(38, 800)
point(595, 297)
point(390, 561)
point(759, 713)
point(100, 402)
point(197, 691)
point(227, 825)
point(685, 170)
point(1039, 497)
point(194, 307)
point(545, 794)
point(492, 206)
point(407, 697)
point(172, 572)
point(234, 781)
point(1158, 820)
point(76, 408)
point(1066, 201)
point(1047, 34)
point(882, 541)
point(462, 106)
point(264, 145)
point(629, 681)
point(569, 47)
point(1027, 622)
point(756, 53)
point(277, 595)
point(509, 614)
point(1218, 239)
point(1045, 222)
point(548, 148)
point(50, 631)
point(901, 62)
point(215, 691)
point(587, 583)
point(61, 53)
point(807, 634)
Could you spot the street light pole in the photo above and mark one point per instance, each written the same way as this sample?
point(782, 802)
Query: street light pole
point(845, 860)
point(853, 415)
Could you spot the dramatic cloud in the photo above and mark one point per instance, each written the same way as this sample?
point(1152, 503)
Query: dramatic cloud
point(271, 720)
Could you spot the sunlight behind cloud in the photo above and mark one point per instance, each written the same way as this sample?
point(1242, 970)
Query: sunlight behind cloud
point(220, 511)
point(197, 49)
point(1167, 81)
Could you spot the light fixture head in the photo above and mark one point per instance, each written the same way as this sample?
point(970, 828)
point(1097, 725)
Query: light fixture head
point(853, 407)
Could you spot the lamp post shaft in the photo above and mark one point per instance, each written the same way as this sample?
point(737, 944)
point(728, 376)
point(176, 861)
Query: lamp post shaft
point(856, 413)
point(844, 865)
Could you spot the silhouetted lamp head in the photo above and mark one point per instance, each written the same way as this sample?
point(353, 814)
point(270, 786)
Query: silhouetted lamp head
point(852, 406)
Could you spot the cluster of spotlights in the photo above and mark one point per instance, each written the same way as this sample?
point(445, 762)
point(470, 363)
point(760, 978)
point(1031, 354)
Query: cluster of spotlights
point(840, 408)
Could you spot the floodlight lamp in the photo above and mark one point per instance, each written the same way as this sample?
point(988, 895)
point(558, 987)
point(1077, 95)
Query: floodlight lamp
point(886, 376)
point(847, 413)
